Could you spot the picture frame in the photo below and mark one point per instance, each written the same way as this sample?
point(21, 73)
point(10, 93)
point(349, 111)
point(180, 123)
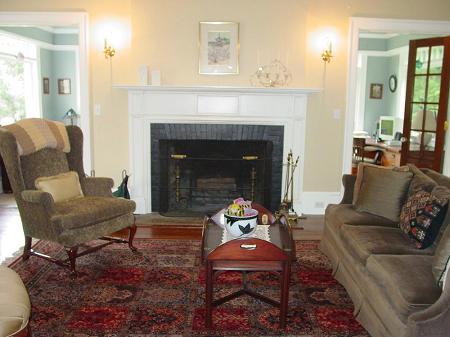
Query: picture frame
point(64, 86)
point(46, 86)
point(218, 48)
point(376, 90)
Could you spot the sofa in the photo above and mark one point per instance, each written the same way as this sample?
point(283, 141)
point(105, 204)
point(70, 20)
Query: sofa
point(391, 282)
point(15, 305)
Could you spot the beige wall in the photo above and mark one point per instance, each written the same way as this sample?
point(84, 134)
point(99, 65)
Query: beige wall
point(164, 36)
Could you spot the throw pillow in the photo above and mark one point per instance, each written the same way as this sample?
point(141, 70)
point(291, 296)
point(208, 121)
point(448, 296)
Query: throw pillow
point(422, 216)
point(381, 191)
point(440, 263)
point(62, 187)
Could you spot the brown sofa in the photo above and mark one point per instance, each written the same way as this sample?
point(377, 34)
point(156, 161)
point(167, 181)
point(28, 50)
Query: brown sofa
point(389, 281)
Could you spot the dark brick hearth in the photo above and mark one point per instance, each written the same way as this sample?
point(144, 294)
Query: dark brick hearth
point(229, 132)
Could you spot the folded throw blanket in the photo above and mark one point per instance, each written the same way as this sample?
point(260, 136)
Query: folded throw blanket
point(34, 134)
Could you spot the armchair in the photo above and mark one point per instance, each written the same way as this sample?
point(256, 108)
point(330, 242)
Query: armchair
point(72, 222)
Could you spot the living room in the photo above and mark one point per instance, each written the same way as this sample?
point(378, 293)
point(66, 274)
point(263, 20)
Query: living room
point(160, 41)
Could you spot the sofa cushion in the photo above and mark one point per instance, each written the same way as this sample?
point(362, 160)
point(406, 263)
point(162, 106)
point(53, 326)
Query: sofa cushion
point(363, 241)
point(381, 191)
point(420, 181)
point(337, 215)
point(421, 217)
point(440, 179)
point(441, 258)
point(406, 280)
point(89, 210)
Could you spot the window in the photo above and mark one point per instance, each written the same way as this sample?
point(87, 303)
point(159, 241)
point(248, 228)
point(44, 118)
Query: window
point(19, 85)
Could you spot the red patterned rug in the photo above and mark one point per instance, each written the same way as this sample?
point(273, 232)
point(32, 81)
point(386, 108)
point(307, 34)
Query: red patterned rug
point(160, 292)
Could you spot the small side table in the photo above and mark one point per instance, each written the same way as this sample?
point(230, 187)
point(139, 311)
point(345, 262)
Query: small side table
point(248, 255)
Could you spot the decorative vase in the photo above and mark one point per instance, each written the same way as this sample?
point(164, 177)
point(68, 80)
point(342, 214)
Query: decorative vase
point(241, 226)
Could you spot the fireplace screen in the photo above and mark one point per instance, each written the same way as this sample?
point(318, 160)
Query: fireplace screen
point(201, 176)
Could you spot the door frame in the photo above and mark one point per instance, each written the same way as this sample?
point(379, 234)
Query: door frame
point(79, 19)
point(358, 25)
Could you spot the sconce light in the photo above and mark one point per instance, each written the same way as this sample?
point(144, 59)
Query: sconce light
point(327, 53)
point(71, 115)
point(108, 50)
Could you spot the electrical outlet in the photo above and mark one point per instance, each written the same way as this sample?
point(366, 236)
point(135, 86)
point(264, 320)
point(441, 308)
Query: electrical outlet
point(97, 109)
point(337, 114)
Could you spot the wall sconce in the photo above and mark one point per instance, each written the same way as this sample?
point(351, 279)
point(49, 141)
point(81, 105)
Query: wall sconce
point(108, 50)
point(327, 53)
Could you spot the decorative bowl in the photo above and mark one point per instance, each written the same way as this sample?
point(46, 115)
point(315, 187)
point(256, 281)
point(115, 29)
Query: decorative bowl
point(241, 226)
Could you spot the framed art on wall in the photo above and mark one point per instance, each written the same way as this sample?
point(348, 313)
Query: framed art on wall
point(64, 86)
point(219, 48)
point(45, 85)
point(376, 90)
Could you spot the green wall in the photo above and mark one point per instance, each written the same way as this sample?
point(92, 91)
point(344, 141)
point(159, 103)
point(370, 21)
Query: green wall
point(58, 65)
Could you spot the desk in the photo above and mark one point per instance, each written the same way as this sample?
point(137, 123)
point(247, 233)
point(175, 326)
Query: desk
point(391, 154)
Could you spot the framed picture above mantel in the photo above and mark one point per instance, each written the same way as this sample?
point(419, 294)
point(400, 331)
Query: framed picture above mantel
point(219, 48)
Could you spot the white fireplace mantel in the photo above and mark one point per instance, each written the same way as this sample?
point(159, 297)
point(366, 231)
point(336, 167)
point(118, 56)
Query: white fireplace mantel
point(211, 105)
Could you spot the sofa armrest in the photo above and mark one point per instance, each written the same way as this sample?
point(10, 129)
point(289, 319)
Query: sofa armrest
point(97, 186)
point(349, 184)
point(433, 321)
point(44, 199)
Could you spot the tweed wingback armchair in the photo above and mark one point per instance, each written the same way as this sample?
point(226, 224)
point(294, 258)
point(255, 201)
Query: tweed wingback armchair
point(73, 222)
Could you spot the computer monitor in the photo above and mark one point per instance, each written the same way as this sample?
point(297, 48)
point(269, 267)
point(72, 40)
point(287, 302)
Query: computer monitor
point(386, 128)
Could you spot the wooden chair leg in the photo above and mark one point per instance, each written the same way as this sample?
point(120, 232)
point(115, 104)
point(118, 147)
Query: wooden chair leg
point(72, 253)
point(131, 235)
point(27, 248)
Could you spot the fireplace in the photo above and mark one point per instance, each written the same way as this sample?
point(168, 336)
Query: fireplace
point(276, 115)
point(200, 168)
point(201, 176)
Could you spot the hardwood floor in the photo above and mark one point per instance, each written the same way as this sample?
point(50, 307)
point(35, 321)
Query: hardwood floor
point(150, 226)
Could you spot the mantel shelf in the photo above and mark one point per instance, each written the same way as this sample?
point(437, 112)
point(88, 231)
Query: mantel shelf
point(216, 89)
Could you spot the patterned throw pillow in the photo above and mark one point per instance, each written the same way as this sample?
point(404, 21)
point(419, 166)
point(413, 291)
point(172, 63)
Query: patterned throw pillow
point(422, 216)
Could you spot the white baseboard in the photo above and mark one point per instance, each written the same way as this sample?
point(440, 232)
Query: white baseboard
point(316, 202)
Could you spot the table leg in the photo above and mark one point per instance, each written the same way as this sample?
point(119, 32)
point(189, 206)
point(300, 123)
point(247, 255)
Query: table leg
point(209, 294)
point(285, 278)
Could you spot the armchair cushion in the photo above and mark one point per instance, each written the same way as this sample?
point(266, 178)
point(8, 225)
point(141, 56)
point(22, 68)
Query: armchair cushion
point(62, 187)
point(86, 211)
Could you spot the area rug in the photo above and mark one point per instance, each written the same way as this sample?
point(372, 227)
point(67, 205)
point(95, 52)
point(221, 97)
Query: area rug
point(160, 292)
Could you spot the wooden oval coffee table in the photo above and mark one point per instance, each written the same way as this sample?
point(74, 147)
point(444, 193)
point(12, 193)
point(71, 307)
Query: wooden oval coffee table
point(248, 255)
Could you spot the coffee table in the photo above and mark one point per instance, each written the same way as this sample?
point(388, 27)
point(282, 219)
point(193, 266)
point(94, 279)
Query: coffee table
point(248, 255)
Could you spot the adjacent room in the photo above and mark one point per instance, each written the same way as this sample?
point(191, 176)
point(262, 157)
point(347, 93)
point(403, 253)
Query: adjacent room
point(224, 168)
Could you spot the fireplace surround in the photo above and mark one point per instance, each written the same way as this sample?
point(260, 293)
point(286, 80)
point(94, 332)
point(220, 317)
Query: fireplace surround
point(246, 107)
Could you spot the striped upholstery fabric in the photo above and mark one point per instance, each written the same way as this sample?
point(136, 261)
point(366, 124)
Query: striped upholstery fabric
point(34, 134)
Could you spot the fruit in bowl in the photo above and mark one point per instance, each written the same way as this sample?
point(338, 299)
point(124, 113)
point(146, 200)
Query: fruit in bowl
point(240, 219)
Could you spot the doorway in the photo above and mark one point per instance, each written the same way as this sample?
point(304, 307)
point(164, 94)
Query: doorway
point(384, 26)
point(78, 20)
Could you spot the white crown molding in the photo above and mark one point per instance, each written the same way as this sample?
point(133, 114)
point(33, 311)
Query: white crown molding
point(383, 36)
point(385, 53)
point(39, 43)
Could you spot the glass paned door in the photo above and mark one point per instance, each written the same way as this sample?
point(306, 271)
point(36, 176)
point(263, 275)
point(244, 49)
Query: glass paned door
point(426, 102)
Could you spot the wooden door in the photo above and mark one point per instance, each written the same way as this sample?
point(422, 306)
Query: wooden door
point(426, 102)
